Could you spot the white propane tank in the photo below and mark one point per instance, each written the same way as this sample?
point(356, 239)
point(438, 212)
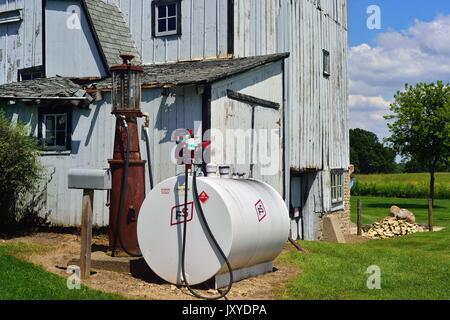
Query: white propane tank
point(248, 218)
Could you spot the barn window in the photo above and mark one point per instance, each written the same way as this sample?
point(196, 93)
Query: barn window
point(337, 187)
point(55, 130)
point(30, 73)
point(166, 18)
point(326, 63)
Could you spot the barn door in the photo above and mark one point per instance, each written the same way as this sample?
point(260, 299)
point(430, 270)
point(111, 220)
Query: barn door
point(296, 207)
point(304, 205)
point(258, 153)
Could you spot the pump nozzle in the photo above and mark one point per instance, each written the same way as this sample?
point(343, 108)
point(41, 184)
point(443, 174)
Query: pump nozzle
point(123, 119)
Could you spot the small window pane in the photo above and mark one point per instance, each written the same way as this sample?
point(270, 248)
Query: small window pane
point(337, 187)
point(162, 26)
point(162, 11)
point(61, 123)
point(326, 62)
point(172, 24)
point(61, 139)
point(49, 123)
point(172, 10)
point(49, 138)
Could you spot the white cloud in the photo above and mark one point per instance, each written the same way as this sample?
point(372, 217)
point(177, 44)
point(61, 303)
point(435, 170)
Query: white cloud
point(367, 103)
point(418, 54)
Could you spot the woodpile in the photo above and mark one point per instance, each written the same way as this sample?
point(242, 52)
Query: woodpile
point(400, 222)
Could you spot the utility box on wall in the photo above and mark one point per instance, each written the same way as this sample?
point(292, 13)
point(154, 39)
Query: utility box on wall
point(90, 179)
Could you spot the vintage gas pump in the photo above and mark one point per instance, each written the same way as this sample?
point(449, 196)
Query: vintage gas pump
point(127, 168)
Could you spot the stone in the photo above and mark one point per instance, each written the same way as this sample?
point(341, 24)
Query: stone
point(402, 214)
point(331, 230)
point(393, 212)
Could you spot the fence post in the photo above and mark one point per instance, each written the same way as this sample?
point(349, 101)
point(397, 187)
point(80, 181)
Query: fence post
point(430, 215)
point(359, 219)
point(86, 233)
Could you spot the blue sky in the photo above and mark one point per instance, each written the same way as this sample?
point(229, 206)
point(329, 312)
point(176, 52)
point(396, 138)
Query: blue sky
point(395, 15)
point(412, 46)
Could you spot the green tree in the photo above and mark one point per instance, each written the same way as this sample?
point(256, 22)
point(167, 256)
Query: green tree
point(420, 127)
point(369, 155)
point(411, 165)
point(20, 169)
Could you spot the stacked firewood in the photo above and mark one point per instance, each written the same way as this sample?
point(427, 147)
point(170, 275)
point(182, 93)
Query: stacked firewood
point(400, 222)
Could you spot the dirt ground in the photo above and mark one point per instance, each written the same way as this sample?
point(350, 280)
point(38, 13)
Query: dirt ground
point(63, 247)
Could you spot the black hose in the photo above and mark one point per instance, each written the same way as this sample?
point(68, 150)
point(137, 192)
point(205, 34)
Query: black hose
point(216, 244)
point(149, 159)
point(123, 193)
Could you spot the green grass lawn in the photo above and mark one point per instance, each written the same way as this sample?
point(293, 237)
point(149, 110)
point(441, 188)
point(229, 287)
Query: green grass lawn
point(411, 185)
point(20, 280)
point(412, 267)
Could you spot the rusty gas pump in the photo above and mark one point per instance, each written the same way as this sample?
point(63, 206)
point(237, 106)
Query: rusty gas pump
point(127, 168)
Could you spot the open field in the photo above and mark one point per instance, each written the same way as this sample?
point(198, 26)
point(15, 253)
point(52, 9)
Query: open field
point(412, 267)
point(408, 185)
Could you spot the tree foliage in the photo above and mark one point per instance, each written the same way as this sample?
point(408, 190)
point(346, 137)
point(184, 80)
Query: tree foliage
point(369, 155)
point(20, 169)
point(420, 127)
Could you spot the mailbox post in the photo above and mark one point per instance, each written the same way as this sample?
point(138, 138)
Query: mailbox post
point(88, 180)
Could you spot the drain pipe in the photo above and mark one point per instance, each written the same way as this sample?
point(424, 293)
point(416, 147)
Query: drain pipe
point(146, 128)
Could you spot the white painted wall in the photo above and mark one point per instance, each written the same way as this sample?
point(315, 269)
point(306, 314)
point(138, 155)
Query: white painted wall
point(71, 51)
point(20, 42)
point(204, 30)
point(265, 82)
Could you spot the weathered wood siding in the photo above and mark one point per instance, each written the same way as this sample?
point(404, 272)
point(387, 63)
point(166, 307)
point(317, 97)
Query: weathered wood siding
point(265, 83)
point(20, 42)
point(204, 30)
point(317, 106)
point(70, 46)
point(92, 146)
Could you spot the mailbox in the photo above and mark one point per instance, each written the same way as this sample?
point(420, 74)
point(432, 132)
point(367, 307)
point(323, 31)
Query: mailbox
point(90, 179)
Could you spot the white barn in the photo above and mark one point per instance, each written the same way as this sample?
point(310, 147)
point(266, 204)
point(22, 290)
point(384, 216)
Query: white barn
point(206, 61)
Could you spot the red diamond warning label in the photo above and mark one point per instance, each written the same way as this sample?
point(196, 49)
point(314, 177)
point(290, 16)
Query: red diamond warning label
point(260, 210)
point(203, 197)
point(178, 214)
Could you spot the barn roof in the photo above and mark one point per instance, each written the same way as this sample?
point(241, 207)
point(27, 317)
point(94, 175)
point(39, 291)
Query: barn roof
point(56, 87)
point(197, 72)
point(111, 32)
point(155, 76)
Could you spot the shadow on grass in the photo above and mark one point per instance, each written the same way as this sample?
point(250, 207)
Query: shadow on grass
point(17, 231)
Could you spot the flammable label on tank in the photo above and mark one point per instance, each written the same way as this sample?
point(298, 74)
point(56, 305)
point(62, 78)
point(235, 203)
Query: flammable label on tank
point(260, 210)
point(203, 197)
point(165, 191)
point(179, 213)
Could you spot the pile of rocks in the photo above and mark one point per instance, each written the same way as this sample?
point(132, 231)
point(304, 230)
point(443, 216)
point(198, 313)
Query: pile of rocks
point(400, 222)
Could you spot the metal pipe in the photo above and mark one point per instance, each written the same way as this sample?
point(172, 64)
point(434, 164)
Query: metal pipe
point(147, 141)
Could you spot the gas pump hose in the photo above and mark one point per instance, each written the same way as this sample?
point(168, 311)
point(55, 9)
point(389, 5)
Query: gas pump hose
point(208, 229)
point(123, 193)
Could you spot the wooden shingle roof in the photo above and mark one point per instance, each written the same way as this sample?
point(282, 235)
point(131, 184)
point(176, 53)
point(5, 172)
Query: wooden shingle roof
point(155, 76)
point(197, 72)
point(55, 87)
point(111, 31)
